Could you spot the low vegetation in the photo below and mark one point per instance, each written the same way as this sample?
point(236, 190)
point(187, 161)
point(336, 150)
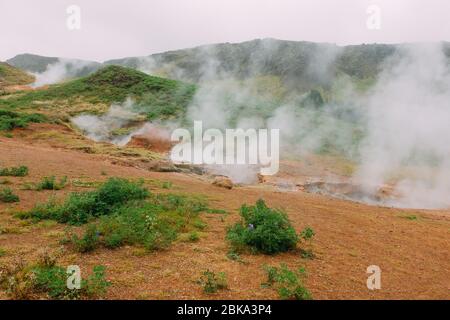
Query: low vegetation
point(10, 120)
point(153, 224)
point(7, 196)
point(50, 183)
point(122, 212)
point(288, 283)
point(21, 171)
point(213, 282)
point(82, 207)
point(262, 229)
point(45, 277)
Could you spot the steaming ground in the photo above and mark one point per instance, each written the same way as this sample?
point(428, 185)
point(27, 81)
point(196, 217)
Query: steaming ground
point(396, 134)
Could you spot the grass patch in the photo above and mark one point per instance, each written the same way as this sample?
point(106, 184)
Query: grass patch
point(153, 224)
point(213, 282)
point(21, 171)
point(10, 120)
point(23, 281)
point(288, 283)
point(411, 217)
point(82, 207)
point(50, 183)
point(262, 229)
point(7, 196)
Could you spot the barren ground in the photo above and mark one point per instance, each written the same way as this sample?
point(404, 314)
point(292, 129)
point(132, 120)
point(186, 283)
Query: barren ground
point(413, 254)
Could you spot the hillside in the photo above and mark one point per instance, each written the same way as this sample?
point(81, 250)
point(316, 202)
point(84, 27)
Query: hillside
point(298, 64)
point(111, 84)
point(72, 68)
point(10, 75)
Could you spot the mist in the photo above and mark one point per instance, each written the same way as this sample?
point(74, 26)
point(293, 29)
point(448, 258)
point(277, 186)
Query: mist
point(63, 69)
point(408, 137)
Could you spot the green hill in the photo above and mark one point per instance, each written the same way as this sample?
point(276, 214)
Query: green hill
point(156, 96)
point(10, 75)
point(73, 68)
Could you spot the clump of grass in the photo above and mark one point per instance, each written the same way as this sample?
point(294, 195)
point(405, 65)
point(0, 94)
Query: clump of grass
point(288, 283)
point(212, 282)
point(5, 181)
point(235, 256)
point(25, 281)
point(10, 120)
point(7, 196)
point(153, 224)
point(307, 234)
point(50, 183)
point(167, 185)
point(21, 171)
point(411, 217)
point(79, 208)
point(2, 252)
point(262, 229)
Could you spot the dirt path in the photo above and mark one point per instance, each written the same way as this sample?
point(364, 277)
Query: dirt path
point(412, 247)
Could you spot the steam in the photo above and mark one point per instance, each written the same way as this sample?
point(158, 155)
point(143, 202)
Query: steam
point(62, 70)
point(103, 128)
point(409, 129)
point(397, 134)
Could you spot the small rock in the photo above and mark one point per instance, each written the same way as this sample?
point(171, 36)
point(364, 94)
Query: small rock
point(223, 182)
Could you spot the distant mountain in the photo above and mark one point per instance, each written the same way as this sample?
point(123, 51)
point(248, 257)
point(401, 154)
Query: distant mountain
point(10, 75)
point(300, 65)
point(68, 68)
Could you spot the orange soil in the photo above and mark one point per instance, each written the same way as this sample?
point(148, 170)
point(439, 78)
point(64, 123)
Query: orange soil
point(414, 255)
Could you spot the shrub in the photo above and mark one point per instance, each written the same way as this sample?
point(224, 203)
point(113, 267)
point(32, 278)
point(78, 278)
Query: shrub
point(79, 208)
point(50, 183)
point(21, 171)
point(7, 196)
point(154, 224)
point(307, 234)
point(212, 282)
point(88, 242)
point(25, 281)
point(288, 283)
point(52, 280)
point(263, 230)
point(10, 120)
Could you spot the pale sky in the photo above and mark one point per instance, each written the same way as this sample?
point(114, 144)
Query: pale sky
point(119, 28)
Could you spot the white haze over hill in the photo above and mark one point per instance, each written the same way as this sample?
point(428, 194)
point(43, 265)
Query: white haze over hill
point(404, 119)
point(409, 128)
point(59, 71)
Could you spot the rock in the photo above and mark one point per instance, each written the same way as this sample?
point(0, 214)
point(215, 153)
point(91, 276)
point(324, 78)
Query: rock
point(223, 182)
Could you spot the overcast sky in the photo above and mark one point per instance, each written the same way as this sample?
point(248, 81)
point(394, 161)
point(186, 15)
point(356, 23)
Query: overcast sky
point(119, 28)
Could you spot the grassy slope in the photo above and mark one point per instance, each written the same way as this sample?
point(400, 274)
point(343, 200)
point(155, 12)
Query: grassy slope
point(10, 75)
point(113, 84)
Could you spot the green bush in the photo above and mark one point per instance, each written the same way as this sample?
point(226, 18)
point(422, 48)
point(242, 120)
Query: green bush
point(263, 230)
point(50, 183)
point(7, 196)
point(79, 208)
point(52, 280)
point(10, 120)
point(212, 282)
point(153, 224)
point(21, 171)
point(288, 283)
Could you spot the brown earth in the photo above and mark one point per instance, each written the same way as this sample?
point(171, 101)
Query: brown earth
point(412, 247)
